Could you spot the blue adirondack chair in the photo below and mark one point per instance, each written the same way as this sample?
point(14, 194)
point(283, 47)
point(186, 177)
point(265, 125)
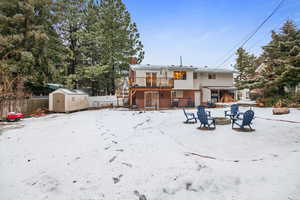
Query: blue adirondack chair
point(205, 120)
point(202, 108)
point(232, 113)
point(245, 121)
point(189, 116)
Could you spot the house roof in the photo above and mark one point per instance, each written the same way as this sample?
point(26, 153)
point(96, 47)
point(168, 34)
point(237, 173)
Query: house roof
point(178, 67)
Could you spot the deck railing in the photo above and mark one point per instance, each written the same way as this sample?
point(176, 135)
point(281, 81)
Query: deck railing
point(183, 102)
point(157, 82)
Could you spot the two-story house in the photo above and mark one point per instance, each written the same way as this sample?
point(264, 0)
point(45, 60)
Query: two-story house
point(157, 86)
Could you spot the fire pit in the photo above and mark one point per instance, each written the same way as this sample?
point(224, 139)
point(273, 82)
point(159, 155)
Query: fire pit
point(222, 120)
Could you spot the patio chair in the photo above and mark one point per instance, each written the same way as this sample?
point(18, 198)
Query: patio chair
point(205, 120)
point(211, 104)
point(245, 121)
point(232, 113)
point(202, 108)
point(189, 117)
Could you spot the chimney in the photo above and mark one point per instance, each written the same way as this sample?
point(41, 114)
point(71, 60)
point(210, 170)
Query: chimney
point(133, 61)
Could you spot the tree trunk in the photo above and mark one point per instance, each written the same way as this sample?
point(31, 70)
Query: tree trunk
point(281, 90)
point(113, 88)
point(73, 62)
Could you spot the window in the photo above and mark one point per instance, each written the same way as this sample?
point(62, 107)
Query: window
point(211, 76)
point(177, 94)
point(163, 73)
point(151, 79)
point(195, 75)
point(177, 75)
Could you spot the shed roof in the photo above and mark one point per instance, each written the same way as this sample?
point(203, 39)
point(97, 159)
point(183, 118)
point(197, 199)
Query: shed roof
point(54, 86)
point(72, 92)
point(178, 67)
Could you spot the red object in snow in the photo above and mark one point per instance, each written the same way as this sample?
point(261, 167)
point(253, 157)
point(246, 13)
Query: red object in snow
point(12, 116)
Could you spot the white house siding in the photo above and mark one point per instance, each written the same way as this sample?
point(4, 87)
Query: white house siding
point(206, 94)
point(222, 79)
point(185, 84)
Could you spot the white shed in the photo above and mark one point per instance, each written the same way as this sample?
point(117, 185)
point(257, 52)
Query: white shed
point(65, 100)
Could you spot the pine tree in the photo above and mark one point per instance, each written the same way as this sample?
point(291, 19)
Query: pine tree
point(72, 15)
point(28, 41)
point(92, 73)
point(93, 77)
point(118, 39)
point(282, 60)
point(246, 64)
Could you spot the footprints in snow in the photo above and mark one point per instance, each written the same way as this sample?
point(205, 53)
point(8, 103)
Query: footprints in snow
point(139, 195)
point(117, 179)
point(127, 164)
point(112, 159)
point(45, 183)
point(142, 123)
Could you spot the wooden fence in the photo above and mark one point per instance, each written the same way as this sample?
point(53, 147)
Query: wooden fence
point(24, 105)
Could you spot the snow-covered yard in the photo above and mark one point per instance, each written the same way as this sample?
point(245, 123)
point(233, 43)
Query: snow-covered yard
point(127, 155)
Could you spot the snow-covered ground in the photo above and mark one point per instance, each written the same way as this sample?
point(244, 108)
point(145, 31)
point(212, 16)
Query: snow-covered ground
point(127, 155)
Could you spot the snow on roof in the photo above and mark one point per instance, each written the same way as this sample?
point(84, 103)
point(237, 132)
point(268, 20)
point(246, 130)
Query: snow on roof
point(178, 67)
point(68, 91)
point(158, 67)
point(54, 85)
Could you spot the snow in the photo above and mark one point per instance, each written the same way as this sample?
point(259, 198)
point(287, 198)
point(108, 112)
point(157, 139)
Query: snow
point(116, 154)
point(240, 102)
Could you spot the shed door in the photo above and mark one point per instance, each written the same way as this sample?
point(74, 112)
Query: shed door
point(58, 102)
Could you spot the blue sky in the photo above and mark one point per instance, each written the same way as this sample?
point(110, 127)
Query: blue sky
point(204, 31)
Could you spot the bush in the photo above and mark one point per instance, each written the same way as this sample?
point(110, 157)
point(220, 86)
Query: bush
point(271, 101)
point(294, 97)
point(289, 100)
point(255, 96)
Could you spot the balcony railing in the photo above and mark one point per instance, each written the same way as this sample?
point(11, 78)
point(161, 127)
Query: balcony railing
point(154, 82)
point(183, 102)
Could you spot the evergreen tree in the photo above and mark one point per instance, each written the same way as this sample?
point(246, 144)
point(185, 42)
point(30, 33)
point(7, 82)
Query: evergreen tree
point(246, 64)
point(42, 40)
point(92, 77)
point(72, 13)
point(28, 41)
point(282, 60)
point(108, 38)
point(92, 73)
point(118, 39)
